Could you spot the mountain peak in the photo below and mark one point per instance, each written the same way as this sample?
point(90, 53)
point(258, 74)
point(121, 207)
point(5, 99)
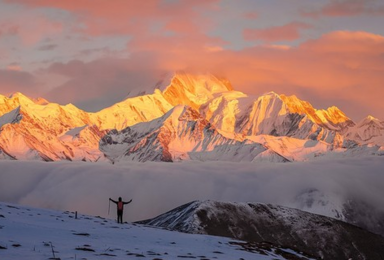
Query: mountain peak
point(332, 117)
point(16, 94)
point(370, 120)
point(272, 94)
point(194, 90)
point(21, 99)
point(19, 96)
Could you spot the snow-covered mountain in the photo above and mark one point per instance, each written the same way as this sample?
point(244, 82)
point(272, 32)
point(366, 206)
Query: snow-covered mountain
point(369, 131)
point(30, 130)
point(322, 237)
point(30, 233)
point(180, 134)
point(194, 117)
point(271, 114)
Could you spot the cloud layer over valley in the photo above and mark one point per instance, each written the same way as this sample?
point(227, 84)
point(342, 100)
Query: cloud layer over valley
point(158, 187)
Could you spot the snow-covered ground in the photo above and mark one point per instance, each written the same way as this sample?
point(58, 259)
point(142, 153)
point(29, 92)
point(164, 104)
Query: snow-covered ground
point(29, 233)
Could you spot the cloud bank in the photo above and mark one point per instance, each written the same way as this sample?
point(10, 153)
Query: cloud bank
point(158, 187)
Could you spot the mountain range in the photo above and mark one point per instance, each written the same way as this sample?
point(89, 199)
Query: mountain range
point(192, 117)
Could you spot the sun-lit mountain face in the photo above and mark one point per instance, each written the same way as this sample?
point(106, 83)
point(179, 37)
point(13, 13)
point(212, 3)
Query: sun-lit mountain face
point(195, 117)
point(132, 111)
point(332, 117)
point(194, 90)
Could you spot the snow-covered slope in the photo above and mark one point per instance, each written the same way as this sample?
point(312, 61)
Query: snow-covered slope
point(29, 233)
point(131, 111)
point(322, 237)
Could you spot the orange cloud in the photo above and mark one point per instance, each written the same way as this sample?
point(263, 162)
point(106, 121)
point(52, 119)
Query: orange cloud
point(14, 67)
point(347, 42)
point(31, 28)
point(287, 32)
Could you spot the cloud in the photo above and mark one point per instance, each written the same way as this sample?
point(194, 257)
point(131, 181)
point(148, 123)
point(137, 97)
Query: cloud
point(251, 15)
point(340, 8)
point(7, 29)
point(101, 83)
point(100, 17)
point(14, 66)
point(30, 28)
point(287, 32)
point(347, 42)
point(13, 79)
point(158, 187)
point(47, 47)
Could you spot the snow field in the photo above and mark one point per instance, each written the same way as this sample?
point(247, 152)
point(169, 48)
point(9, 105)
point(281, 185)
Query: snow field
point(27, 233)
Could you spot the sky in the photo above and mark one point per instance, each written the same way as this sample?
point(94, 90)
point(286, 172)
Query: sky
point(93, 52)
point(156, 188)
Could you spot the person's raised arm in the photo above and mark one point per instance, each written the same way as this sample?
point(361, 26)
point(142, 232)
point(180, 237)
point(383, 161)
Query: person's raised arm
point(128, 202)
point(114, 201)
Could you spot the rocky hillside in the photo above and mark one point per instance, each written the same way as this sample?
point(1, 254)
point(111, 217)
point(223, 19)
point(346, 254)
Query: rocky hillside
point(322, 237)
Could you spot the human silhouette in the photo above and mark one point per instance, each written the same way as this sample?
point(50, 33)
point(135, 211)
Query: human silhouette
point(120, 208)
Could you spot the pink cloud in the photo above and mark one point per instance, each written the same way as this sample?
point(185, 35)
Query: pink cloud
point(339, 8)
point(251, 15)
point(100, 17)
point(287, 32)
point(30, 28)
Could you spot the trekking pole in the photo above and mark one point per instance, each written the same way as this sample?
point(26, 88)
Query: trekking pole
point(109, 206)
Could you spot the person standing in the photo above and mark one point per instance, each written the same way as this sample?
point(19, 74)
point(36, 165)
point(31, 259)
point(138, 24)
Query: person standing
point(120, 208)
